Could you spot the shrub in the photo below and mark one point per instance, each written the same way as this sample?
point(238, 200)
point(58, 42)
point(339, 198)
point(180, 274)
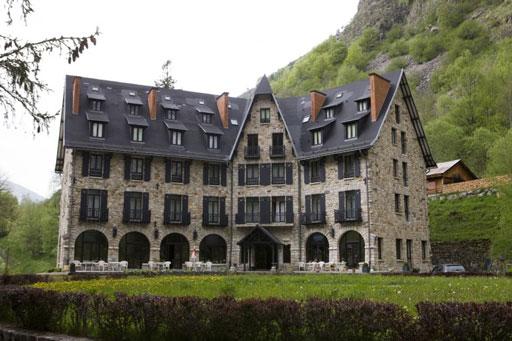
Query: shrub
point(398, 48)
point(397, 64)
point(426, 47)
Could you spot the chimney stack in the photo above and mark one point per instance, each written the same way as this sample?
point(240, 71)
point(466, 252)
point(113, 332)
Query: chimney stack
point(75, 103)
point(223, 106)
point(317, 100)
point(379, 88)
point(152, 106)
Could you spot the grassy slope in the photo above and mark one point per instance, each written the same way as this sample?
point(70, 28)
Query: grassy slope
point(403, 290)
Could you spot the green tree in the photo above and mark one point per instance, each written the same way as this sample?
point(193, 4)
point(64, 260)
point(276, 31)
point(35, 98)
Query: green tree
point(167, 81)
point(476, 147)
point(500, 156)
point(445, 140)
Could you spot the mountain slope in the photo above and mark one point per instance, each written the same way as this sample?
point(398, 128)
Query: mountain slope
point(22, 193)
point(457, 56)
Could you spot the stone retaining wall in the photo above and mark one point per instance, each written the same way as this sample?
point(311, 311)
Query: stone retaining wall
point(470, 253)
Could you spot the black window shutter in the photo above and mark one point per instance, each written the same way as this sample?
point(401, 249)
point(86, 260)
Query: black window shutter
point(85, 163)
point(186, 171)
point(205, 174)
point(306, 172)
point(358, 205)
point(240, 216)
point(357, 165)
point(147, 168)
point(289, 173)
point(106, 165)
point(83, 204)
point(265, 210)
point(341, 167)
point(223, 174)
point(185, 214)
point(104, 206)
point(146, 213)
point(341, 196)
point(127, 164)
point(308, 209)
point(223, 215)
point(289, 209)
point(126, 207)
point(322, 208)
point(265, 174)
point(205, 211)
point(167, 170)
point(322, 170)
point(167, 199)
point(241, 175)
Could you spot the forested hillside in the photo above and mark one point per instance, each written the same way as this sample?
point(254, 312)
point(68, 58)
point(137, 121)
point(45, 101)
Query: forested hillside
point(458, 58)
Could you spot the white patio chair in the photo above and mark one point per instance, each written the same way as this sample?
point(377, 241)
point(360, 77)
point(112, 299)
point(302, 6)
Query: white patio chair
point(198, 266)
point(123, 265)
point(78, 265)
point(209, 266)
point(151, 265)
point(302, 266)
point(188, 266)
point(167, 266)
point(101, 265)
point(321, 266)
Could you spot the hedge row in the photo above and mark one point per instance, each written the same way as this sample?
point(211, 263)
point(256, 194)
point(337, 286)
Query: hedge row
point(224, 318)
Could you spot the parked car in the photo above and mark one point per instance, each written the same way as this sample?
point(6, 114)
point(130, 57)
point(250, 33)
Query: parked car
point(445, 268)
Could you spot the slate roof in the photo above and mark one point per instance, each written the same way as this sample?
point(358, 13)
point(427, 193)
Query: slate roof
point(190, 105)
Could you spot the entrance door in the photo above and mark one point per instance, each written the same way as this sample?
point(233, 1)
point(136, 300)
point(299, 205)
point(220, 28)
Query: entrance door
point(262, 257)
point(175, 249)
point(352, 249)
point(353, 255)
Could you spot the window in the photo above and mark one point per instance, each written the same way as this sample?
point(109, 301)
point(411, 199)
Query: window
point(395, 168)
point(351, 131)
point(349, 165)
point(253, 174)
point(363, 105)
point(316, 208)
point(176, 171)
point(278, 173)
point(329, 113)
point(406, 207)
point(287, 254)
point(397, 203)
point(97, 129)
point(171, 114)
point(315, 171)
point(213, 141)
point(176, 137)
point(206, 118)
point(278, 210)
point(398, 249)
point(317, 137)
point(397, 113)
point(252, 150)
point(277, 148)
point(404, 174)
point(136, 168)
point(252, 210)
point(265, 115)
point(213, 210)
point(408, 247)
point(133, 109)
point(213, 174)
point(379, 248)
point(95, 105)
point(96, 165)
point(137, 134)
point(135, 207)
point(424, 250)
point(175, 208)
point(277, 139)
point(403, 142)
point(351, 205)
point(393, 135)
point(93, 205)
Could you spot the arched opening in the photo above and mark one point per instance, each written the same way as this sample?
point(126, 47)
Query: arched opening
point(134, 248)
point(91, 245)
point(213, 248)
point(317, 248)
point(352, 249)
point(175, 249)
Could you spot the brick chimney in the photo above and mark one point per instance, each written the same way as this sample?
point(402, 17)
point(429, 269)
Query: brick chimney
point(223, 106)
point(75, 101)
point(379, 88)
point(152, 106)
point(317, 100)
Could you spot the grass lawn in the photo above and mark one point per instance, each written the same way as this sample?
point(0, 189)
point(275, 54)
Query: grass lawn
point(405, 291)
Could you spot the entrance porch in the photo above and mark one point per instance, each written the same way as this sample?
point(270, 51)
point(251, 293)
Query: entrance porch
point(261, 250)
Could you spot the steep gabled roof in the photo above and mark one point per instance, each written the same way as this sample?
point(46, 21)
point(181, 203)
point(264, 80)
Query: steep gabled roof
point(263, 87)
point(443, 167)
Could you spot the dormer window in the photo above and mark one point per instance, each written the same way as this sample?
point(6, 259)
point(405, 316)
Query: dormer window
point(213, 141)
point(95, 105)
point(363, 105)
point(171, 114)
point(133, 109)
point(329, 113)
point(176, 137)
point(351, 131)
point(317, 137)
point(137, 134)
point(265, 115)
point(206, 118)
point(97, 129)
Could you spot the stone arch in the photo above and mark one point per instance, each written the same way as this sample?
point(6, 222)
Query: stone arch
point(91, 245)
point(134, 248)
point(352, 249)
point(213, 248)
point(317, 248)
point(175, 248)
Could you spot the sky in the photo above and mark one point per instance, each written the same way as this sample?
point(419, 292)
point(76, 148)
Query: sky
point(214, 46)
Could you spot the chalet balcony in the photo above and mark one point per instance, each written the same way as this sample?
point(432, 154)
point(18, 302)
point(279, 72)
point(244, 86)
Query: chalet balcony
point(312, 218)
point(252, 152)
point(276, 151)
point(346, 216)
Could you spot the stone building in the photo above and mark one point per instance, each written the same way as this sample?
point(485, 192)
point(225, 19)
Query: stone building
point(258, 182)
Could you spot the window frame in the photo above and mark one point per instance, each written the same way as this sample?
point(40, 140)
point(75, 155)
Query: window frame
point(206, 118)
point(250, 170)
point(329, 113)
point(350, 199)
point(403, 142)
point(97, 130)
point(96, 165)
point(279, 209)
point(175, 208)
point(214, 170)
point(265, 115)
point(317, 137)
point(176, 171)
point(363, 105)
point(397, 114)
point(407, 212)
point(405, 174)
point(278, 180)
point(424, 252)
point(135, 207)
point(213, 141)
point(397, 204)
point(136, 163)
point(349, 166)
point(380, 242)
point(252, 210)
point(213, 210)
point(395, 169)
point(398, 249)
point(134, 109)
point(393, 136)
point(136, 134)
point(351, 132)
point(94, 210)
point(171, 114)
point(95, 105)
point(314, 171)
point(176, 137)
point(316, 208)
